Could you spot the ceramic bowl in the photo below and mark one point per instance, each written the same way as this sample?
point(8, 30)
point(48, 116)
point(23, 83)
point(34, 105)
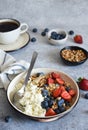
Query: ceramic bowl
point(59, 38)
point(74, 63)
point(11, 88)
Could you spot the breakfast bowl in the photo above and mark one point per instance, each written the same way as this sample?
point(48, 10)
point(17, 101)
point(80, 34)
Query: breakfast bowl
point(57, 36)
point(73, 55)
point(49, 95)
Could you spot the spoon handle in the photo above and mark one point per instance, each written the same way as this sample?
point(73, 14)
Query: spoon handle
point(34, 56)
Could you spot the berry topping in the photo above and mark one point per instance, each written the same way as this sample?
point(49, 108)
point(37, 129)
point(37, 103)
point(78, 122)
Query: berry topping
point(45, 92)
point(60, 102)
point(44, 104)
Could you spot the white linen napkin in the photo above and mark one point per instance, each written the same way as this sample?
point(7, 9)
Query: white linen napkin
point(9, 68)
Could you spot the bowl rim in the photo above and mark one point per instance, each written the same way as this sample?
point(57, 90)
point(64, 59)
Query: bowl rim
point(46, 117)
point(75, 48)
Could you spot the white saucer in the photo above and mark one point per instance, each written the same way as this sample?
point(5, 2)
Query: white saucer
point(21, 42)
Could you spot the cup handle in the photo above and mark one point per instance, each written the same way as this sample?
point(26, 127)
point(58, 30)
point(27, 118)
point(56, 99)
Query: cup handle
point(23, 28)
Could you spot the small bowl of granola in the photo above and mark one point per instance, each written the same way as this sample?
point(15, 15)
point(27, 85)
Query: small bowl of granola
point(49, 95)
point(73, 55)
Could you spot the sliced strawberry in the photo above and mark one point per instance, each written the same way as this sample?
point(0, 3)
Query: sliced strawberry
point(56, 92)
point(55, 75)
point(72, 92)
point(50, 81)
point(60, 81)
point(62, 88)
point(78, 39)
point(65, 95)
point(50, 112)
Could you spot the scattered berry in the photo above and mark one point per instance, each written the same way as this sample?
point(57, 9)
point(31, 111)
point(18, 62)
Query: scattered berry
point(33, 39)
point(46, 30)
point(43, 33)
point(83, 83)
point(71, 32)
point(34, 30)
point(78, 39)
point(8, 118)
point(86, 96)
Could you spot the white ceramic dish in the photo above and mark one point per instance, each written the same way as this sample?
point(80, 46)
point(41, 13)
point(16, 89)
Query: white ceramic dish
point(11, 87)
point(19, 43)
point(60, 41)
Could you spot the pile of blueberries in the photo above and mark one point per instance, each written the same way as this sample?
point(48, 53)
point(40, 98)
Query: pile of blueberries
point(57, 36)
point(49, 101)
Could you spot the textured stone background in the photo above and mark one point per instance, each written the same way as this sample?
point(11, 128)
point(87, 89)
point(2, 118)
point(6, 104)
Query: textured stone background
point(65, 14)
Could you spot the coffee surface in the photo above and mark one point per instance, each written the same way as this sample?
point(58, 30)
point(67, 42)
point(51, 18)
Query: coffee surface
point(8, 26)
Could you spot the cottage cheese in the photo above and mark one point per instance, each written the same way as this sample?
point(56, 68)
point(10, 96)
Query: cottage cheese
point(31, 101)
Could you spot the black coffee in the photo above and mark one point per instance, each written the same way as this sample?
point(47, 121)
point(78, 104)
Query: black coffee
point(8, 26)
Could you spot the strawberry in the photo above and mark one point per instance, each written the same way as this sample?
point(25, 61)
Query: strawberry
point(50, 112)
point(83, 83)
point(65, 95)
point(60, 81)
point(55, 75)
point(72, 92)
point(50, 81)
point(78, 39)
point(56, 92)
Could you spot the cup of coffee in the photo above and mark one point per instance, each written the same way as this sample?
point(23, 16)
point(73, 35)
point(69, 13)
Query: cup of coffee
point(10, 30)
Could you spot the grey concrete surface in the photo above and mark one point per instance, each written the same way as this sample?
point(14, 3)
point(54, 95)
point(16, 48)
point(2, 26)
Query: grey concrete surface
point(65, 14)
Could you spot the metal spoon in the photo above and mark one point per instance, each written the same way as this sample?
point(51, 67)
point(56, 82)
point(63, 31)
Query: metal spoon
point(19, 94)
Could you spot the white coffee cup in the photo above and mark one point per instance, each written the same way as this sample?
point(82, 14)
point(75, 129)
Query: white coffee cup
point(10, 30)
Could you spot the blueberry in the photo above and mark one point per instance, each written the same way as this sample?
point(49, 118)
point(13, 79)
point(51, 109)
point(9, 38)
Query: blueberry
point(45, 85)
point(58, 37)
point(50, 103)
point(60, 102)
point(34, 30)
point(8, 118)
point(40, 74)
point(46, 30)
point(68, 88)
point(53, 33)
point(62, 36)
point(62, 109)
point(67, 103)
point(47, 99)
point(86, 96)
point(33, 39)
point(57, 110)
point(44, 104)
point(71, 32)
point(44, 92)
point(43, 33)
